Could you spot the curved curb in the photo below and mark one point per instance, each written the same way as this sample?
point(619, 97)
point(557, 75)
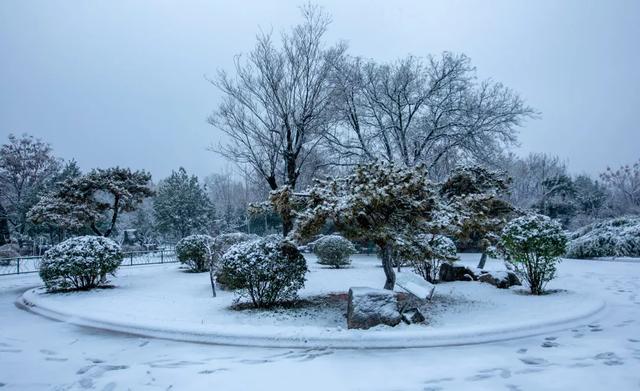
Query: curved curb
point(312, 337)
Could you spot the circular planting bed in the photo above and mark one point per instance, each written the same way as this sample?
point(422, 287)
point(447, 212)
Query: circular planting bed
point(167, 302)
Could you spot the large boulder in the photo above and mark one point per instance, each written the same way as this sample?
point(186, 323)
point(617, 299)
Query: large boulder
point(370, 307)
point(500, 279)
point(451, 272)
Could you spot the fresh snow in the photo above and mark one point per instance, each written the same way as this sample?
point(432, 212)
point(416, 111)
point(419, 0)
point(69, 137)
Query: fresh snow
point(37, 353)
point(414, 284)
point(168, 302)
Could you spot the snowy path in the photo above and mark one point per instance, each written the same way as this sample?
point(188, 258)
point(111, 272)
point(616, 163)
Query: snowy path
point(37, 353)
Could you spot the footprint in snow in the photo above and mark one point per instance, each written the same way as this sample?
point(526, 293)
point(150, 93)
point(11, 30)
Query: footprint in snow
point(58, 359)
point(534, 361)
point(439, 380)
point(609, 358)
point(549, 344)
point(84, 369)
point(109, 387)
point(254, 361)
point(521, 351)
point(210, 371)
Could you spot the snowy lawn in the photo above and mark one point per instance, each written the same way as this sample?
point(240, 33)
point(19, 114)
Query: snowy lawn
point(165, 301)
point(37, 353)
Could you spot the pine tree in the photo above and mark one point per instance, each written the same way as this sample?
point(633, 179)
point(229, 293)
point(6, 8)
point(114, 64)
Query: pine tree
point(381, 203)
point(476, 192)
point(94, 200)
point(181, 206)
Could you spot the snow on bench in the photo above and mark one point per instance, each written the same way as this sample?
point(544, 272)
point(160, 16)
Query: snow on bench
point(415, 285)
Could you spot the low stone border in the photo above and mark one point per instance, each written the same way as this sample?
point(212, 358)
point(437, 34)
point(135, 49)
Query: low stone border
point(312, 337)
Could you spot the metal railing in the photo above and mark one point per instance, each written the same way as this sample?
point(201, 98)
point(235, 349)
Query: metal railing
point(23, 265)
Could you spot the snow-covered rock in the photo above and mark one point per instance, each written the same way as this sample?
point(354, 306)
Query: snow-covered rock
point(413, 316)
point(451, 272)
point(414, 284)
point(499, 279)
point(370, 307)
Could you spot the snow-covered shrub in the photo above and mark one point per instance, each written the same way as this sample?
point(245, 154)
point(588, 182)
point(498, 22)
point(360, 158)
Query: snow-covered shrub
point(619, 237)
point(195, 252)
point(269, 270)
point(80, 263)
point(532, 245)
point(8, 251)
point(333, 250)
point(426, 253)
point(221, 244)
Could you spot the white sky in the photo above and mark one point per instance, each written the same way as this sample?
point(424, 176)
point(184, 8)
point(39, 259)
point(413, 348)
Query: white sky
point(122, 82)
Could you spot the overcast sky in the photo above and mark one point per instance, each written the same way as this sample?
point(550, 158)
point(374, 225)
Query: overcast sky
point(122, 82)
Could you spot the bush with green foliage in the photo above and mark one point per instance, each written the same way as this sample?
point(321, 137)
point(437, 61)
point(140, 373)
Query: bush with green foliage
point(333, 250)
point(221, 244)
point(532, 246)
point(195, 252)
point(269, 270)
point(619, 237)
point(427, 253)
point(80, 263)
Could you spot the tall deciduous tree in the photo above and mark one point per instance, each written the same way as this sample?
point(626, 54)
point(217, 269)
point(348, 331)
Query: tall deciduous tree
point(94, 200)
point(624, 183)
point(4, 227)
point(422, 111)
point(26, 166)
point(181, 206)
point(277, 106)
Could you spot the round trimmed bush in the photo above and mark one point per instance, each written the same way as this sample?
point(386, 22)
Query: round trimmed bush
point(333, 250)
point(268, 270)
point(533, 245)
point(195, 252)
point(221, 244)
point(80, 263)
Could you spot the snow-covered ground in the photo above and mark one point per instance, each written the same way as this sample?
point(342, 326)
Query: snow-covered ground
point(166, 301)
point(38, 353)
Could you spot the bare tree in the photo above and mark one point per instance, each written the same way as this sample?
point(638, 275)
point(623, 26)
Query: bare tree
point(26, 166)
point(422, 111)
point(624, 184)
point(276, 108)
point(529, 175)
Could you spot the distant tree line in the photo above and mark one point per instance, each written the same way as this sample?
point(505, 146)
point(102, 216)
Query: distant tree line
point(296, 109)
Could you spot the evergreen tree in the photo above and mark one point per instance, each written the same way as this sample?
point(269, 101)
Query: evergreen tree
point(94, 200)
point(181, 206)
point(477, 192)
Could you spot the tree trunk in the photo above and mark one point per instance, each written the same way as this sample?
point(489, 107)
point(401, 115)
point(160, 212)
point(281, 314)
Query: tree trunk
point(387, 265)
point(483, 260)
point(287, 224)
point(4, 227)
point(114, 217)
